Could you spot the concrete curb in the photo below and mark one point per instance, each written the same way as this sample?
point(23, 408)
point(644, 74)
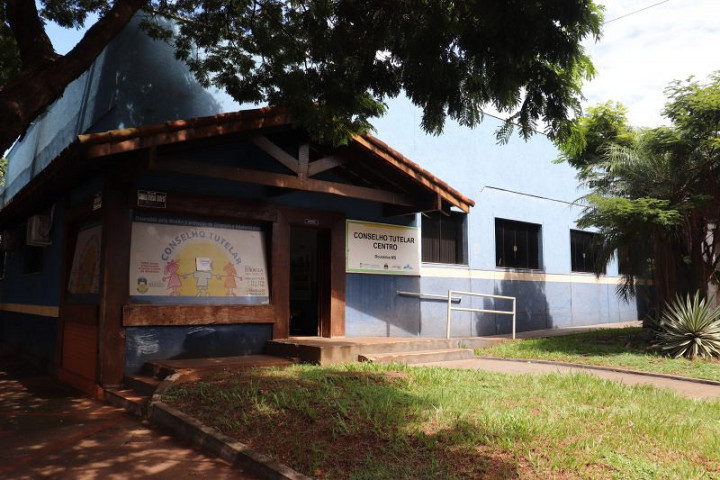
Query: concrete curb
point(213, 442)
point(581, 366)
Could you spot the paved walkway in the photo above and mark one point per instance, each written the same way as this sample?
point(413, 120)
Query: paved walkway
point(689, 389)
point(49, 431)
point(556, 332)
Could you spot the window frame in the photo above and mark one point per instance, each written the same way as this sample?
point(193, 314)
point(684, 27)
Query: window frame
point(588, 245)
point(531, 253)
point(457, 221)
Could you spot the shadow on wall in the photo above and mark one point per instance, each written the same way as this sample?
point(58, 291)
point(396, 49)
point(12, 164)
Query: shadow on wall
point(532, 308)
point(374, 309)
point(142, 83)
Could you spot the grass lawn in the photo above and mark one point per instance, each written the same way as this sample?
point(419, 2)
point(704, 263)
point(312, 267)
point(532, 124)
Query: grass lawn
point(364, 421)
point(624, 348)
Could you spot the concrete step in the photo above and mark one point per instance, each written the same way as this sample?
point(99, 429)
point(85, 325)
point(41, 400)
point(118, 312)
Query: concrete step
point(142, 384)
point(408, 346)
point(128, 399)
point(419, 356)
point(326, 351)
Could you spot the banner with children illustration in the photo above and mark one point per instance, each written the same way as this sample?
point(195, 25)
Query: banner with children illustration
point(190, 262)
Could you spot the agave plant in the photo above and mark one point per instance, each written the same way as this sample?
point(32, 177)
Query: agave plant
point(690, 327)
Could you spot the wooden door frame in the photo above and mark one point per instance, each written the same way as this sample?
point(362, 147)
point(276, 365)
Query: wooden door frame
point(331, 319)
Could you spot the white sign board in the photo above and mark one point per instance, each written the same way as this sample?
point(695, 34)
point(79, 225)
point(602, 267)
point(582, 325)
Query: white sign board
point(197, 262)
point(383, 249)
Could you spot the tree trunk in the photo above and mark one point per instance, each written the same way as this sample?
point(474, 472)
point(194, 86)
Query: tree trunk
point(36, 87)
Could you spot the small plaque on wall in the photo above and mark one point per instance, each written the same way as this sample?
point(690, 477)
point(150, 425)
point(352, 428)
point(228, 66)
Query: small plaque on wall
point(146, 198)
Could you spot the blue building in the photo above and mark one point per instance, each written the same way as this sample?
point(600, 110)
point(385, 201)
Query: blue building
point(138, 222)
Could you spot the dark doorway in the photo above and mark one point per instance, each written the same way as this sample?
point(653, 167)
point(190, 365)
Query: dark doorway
point(309, 280)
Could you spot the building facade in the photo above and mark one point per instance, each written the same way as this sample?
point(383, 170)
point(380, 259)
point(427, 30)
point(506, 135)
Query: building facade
point(139, 223)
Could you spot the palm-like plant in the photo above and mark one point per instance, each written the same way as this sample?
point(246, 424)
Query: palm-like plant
point(654, 192)
point(690, 327)
point(639, 200)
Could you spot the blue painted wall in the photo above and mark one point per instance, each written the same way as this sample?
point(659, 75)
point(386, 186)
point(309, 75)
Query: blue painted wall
point(35, 288)
point(517, 181)
point(33, 336)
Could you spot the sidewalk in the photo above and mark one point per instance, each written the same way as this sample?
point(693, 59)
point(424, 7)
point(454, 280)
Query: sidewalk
point(687, 388)
point(698, 389)
point(50, 431)
point(556, 332)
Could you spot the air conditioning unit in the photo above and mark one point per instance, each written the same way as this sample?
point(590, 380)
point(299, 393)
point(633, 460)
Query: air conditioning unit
point(38, 231)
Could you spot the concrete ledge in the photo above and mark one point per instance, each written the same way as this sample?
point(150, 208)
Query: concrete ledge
point(421, 356)
point(215, 443)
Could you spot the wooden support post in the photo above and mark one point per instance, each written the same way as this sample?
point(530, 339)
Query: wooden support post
point(337, 278)
point(303, 160)
point(280, 271)
point(69, 233)
point(115, 259)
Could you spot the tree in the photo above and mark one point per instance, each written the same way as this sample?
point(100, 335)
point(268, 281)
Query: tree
point(655, 193)
point(333, 62)
point(3, 170)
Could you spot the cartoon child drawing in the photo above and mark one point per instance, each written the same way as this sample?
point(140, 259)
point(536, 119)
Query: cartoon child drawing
point(173, 278)
point(230, 276)
point(203, 274)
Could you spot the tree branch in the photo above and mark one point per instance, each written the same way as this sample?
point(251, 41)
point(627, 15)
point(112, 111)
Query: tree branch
point(35, 47)
point(32, 91)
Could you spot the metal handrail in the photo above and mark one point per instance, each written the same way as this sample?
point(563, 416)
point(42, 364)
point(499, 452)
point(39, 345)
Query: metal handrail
point(450, 308)
point(428, 296)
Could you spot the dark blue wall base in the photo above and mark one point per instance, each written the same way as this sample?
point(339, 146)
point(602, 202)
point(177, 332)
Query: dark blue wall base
point(374, 309)
point(30, 336)
point(143, 344)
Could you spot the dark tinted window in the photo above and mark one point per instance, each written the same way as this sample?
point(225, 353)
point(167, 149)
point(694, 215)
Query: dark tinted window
point(443, 238)
point(517, 244)
point(583, 250)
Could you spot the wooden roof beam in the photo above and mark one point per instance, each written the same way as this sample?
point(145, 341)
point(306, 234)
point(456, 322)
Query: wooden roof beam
point(280, 180)
point(430, 205)
point(324, 164)
point(415, 173)
point(264, 143)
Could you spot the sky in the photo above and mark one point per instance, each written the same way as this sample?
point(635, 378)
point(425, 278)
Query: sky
point(641, 53)
point(646, 44)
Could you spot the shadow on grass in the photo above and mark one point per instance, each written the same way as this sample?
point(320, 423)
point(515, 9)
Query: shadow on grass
point(346, 424)
point(609, 342)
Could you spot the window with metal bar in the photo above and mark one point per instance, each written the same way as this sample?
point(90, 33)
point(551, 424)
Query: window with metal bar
point(443, 238)
point(517, 244)
point(584, 250)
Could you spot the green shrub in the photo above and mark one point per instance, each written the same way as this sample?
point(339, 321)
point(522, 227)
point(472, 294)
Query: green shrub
point(690, 327)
